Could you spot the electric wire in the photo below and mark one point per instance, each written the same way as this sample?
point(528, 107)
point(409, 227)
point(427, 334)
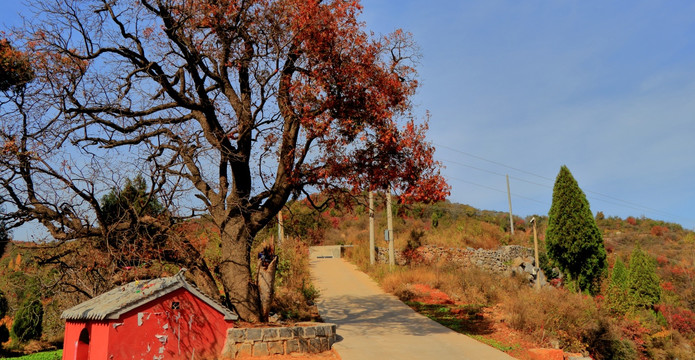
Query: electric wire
point(606, 198)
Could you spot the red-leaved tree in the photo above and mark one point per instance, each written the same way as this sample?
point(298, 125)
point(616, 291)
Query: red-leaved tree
point(229, 107)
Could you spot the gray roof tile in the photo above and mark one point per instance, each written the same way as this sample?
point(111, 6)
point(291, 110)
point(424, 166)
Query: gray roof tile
point(116, 302)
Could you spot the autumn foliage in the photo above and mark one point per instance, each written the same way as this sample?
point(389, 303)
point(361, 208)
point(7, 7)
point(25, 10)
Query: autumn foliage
point(235, 107)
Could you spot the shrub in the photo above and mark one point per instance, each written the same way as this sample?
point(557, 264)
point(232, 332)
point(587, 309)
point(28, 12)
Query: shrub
point(680, 319)
point(659, 230)
point(28, 320)
point(570, 318)
point(545, 265)
point(410, 252)
point(600, 216)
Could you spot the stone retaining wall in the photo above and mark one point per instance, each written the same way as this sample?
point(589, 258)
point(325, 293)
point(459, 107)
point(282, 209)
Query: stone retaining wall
point(492, 260)
point(301, 338)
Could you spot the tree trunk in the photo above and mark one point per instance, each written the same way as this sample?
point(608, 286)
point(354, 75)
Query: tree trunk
point(235, 270)
point(266, 281)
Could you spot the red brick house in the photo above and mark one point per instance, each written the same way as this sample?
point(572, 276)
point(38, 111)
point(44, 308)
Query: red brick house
point(158, 319)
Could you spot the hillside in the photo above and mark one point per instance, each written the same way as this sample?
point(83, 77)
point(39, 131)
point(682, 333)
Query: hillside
point(505, 311)
point(500, 310)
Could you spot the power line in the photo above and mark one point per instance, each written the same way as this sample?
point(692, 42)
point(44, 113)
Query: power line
point(620, 202)
point(493, 162)
point(497, 190)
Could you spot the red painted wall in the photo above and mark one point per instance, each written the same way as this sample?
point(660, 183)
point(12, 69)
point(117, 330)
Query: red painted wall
point(98, 336)
point(155, 331)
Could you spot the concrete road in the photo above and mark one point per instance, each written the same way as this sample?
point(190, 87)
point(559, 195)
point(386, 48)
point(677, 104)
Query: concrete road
point(376, 325)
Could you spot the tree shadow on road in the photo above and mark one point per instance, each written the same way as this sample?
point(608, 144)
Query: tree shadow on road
point(378, 315)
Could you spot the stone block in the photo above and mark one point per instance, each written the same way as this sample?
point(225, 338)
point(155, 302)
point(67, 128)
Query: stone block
point(315, 345)
point(322, 330)
point(276, 348)
point(287, 333)
point(237, 335)
point(254, 334)
point(308, 331)
point(228, 350)
point(325, 345)
point(291, 346)
point(244, 349)
point(270, 334)
point(260, 349)
point(303, 345)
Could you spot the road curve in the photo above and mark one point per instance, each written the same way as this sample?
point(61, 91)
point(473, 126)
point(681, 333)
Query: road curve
point(376, 325)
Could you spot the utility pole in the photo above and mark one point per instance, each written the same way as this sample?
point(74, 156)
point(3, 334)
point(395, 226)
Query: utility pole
point(281, 229)
point(372, 256)
point(392, 252)
point(535, 251)
point(509, 197)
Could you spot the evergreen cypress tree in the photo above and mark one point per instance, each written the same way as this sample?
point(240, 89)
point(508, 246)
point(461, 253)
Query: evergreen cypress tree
point(643, 282)
point(573, 241)
point(619, 277)
point(617, 297)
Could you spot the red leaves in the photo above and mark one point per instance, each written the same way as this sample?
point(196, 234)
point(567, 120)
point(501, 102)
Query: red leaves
point(678, 318)
point(659, 230)
point(15, 68)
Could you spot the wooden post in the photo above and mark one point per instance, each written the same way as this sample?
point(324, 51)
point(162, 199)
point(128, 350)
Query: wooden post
point(392, 252)
point(372, 255)
point(509, 197)
point(281, 229)
point(535, 251)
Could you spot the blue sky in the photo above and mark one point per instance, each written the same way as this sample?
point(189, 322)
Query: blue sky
point(524, 87)
point(606, 88)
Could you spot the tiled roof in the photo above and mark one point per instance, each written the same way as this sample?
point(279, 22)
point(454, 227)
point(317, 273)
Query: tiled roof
point(116, 302)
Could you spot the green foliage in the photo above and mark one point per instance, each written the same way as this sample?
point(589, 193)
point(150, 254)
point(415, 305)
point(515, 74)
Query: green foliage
point(617, 298)
point(306, 223)
point(546, 266)
point(436, 215)
point(573, 241)
point(619, 276)
point(132, 200)
point(28, 321)
point(46, 355)
point(643, 282)
point(495, 343)
point(415, 239)
point(309, 292)
point(137, 241)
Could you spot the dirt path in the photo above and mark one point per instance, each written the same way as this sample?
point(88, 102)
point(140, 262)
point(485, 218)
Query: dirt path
point(376, 325)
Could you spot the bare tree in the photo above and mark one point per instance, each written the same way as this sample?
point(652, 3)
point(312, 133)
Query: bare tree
point(230, 107)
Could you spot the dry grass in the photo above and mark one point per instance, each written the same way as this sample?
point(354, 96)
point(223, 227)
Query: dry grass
point(294, 292)
point(554, 314)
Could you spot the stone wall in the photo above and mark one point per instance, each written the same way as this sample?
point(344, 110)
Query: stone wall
point(492, 260)
point(301, 338)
